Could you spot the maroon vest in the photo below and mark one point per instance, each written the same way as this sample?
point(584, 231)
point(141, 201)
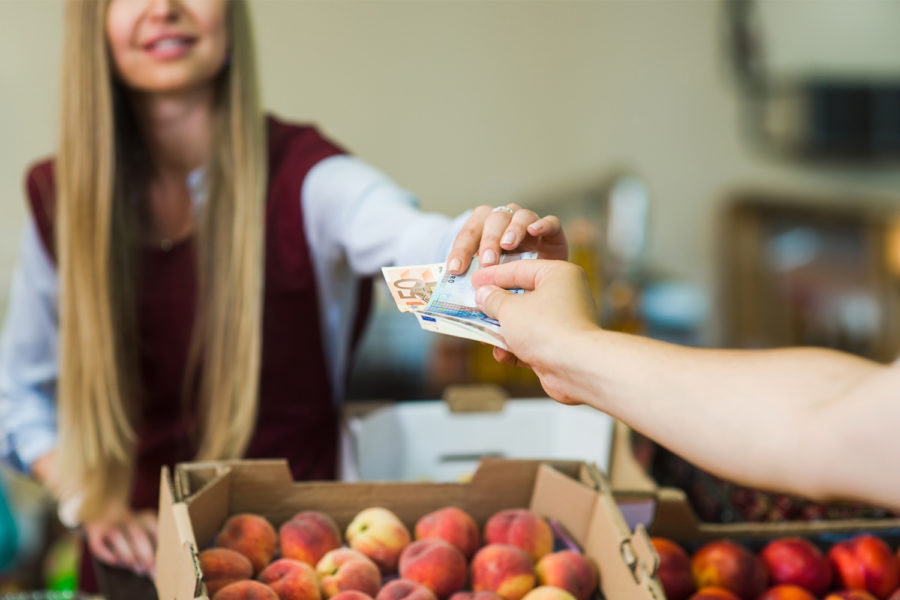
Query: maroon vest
point(297, 419)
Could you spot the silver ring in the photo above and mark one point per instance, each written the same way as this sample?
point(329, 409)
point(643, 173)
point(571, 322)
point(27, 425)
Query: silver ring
point(505, 209)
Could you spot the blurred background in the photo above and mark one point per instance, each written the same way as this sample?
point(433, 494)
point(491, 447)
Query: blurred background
point(726, 169)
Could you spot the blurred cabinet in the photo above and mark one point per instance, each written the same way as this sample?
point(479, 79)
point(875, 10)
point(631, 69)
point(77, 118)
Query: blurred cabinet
point(811, 272)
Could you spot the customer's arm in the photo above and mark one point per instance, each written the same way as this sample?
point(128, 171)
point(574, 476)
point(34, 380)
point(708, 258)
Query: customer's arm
point(814, 422)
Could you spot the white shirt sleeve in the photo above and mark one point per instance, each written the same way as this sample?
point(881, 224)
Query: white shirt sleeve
point(28, 358)
point(356, 221)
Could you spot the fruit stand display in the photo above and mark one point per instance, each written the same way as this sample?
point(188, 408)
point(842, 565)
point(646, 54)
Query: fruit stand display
point(519, 530)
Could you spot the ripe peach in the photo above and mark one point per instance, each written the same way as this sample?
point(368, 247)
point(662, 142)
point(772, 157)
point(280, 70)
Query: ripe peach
point(308, 536)
point(548, 592)
point(222, 566)
point(731, 566)
point(850, 595)
point(797, 561)
point(674, 570)
point(713, 593)
point(522, 528)
point(352, 595)
point(404, 589)
point(568, 570)
point(787, 592)
point(247, 589)
point(504, 569)
point(345, 569)
point(436, 564)
point(865, 562)
point(251, 535)
point(482, 595)
point(452, 525)
point(291, 579)
point(380, 535)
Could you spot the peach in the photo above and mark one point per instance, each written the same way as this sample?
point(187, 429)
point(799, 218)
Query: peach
point(246, 590)
point(522, 528)
point(865, 562)
point(713, 593)
point(787, 592)
point(308, 536)
point(504, 569)
point(345, 569)
point(729, 565)
point(796, 561)
point(380, 535)
point(351, 595)
point(482, 595)
point(850, 595)
point(674, 569)
point(221, 566)
point(251, 535)
point(548, 592)
point(568, 570)
point(404, 589)
point(436, 564)
point(291, 579)
point(452, 525)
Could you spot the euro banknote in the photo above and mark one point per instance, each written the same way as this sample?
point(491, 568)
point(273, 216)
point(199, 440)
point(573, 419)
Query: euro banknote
point(444, 302)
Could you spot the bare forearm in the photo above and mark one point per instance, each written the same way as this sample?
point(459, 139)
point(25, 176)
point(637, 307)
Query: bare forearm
point(770, 418)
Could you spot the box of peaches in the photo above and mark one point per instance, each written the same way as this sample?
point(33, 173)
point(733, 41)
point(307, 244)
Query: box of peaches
point(518, 530)
point(835, 559)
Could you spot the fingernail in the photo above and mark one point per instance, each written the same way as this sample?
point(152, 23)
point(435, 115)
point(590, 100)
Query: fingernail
point(489, 257)
point(508, 238)
point(536, 227)
point(482, 293)
point(454, 265)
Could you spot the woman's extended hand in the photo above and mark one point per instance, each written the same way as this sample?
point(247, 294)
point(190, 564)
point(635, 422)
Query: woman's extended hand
point(124, 538)
point(489, 231)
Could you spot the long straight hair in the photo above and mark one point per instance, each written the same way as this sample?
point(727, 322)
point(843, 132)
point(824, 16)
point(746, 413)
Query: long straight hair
point(98, 241)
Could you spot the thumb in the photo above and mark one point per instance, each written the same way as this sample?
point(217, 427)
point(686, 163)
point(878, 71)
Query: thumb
point(489, 299)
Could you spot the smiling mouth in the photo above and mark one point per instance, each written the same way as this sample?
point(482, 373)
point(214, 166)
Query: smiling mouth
point(169, 44)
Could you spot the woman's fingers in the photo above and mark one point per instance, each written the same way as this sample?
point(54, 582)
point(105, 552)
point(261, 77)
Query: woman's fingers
point(517, 229)
point(467, 240)
point(495, 226)
point(99, 548)
point(142, 546)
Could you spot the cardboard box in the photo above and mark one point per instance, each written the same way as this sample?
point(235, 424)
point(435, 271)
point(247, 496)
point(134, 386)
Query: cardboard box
point(443, 440)
point(666, 512)
point(197, 498)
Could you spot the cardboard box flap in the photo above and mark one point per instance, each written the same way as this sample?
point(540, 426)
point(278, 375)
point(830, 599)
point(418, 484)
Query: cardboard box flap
point(626, 475)
point(178, 570)
point(553, 489)
point(625, 564)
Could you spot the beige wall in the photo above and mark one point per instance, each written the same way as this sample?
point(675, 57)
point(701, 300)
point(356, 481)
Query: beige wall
point(477, 102)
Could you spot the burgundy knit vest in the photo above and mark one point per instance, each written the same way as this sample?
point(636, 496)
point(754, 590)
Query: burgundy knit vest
point(297, 418)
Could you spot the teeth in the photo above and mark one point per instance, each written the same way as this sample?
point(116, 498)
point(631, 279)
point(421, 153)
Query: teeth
point(168, 44)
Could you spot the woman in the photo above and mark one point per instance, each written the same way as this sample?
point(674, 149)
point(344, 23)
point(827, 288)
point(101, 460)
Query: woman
point(195, 268)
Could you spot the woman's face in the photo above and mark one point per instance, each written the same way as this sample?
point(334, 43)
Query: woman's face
point(166, 46)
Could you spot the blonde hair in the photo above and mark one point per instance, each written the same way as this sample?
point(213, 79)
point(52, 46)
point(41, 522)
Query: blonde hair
point(97, 245)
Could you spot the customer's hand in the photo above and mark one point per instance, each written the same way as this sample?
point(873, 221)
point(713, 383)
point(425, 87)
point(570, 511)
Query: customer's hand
point(490, 231)
point(541, 327)
point(124, 538)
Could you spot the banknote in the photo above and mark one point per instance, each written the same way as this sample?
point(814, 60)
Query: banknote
point(454, 295)
point(411, 286)
point(445, 303)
